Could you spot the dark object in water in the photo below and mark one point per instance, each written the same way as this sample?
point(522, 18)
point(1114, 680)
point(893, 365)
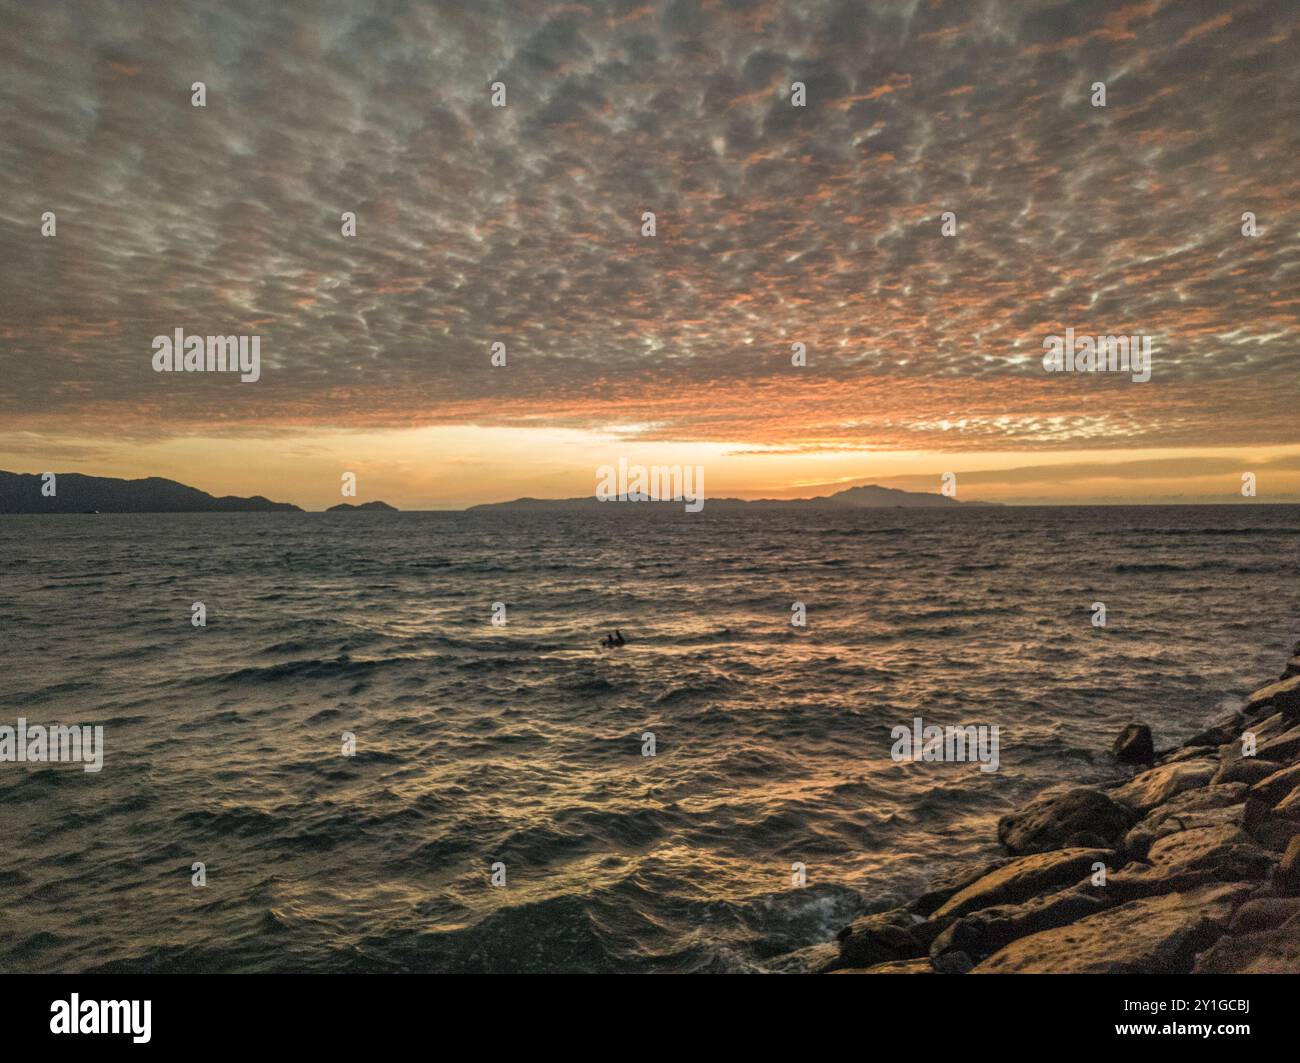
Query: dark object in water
point(613, 641)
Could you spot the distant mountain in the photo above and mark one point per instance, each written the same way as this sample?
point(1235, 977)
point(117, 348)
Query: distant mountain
point(75, 493)
point(348, 507)
point(869, 496)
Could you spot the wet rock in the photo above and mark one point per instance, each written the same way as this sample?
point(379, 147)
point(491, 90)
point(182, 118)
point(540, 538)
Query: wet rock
point(1022, 879)
point(1224, 853)
point(1265, 728)
point(946, 885)
point(1282, 696)
point(1153, 935)
point(988, 930)
point(1261, 731)
point(1289, 806)
point(1208, 807)
point(1266, 913)
point(1224, 728)
point(1292, 668)
point(1287, 876)
point(815, 959)
point(1134, 745)
point(1060, 814)
point(952, 963)
point(897, 967)
point(1275, 951)
point(1285, 747)
point(1173, 756)
point(1272, 788)
point(1187, 860)
point(881, 938)
point(1158, 785)
point(1266, 827)
point(1244, 769)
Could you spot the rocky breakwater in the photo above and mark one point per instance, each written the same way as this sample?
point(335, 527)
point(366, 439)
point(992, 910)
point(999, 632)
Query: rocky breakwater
point(1191, 866)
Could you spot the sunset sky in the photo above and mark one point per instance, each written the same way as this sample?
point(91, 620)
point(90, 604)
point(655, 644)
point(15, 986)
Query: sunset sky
point(775, 225)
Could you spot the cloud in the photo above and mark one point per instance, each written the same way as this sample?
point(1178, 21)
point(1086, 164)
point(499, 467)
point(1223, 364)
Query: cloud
point(775, 224)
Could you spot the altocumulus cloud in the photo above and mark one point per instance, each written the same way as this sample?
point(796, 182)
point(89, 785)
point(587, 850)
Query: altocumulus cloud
point(775, 224)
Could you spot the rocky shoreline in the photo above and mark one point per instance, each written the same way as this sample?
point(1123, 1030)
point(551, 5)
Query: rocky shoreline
point(1191, 866)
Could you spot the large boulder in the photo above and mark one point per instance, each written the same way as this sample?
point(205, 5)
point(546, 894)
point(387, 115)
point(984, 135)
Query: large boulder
point(1289, 806)
point(1225, 728)
point(984, 932)
point(815, 959)
point(1286, 879)
point(1285, 747)
point(1274, 951)
point(1183, 859)
point(1158, 785)
point(1062, 816)
point(1210, 806)
point(1263, 913)
point(1266, 826)
point(1134, 745)
point(942, 888)
point(1188, 859)
point(1244, 769)
point(881, 937)
point(922, 966)
point(1023, 878)
point(1272, 788)
point(1153, 935)
point(1282, 696)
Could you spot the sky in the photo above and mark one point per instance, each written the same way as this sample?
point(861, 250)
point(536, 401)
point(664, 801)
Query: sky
point(775, 224)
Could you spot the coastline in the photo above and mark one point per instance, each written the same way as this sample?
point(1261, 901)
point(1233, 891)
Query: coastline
point(1191, 866)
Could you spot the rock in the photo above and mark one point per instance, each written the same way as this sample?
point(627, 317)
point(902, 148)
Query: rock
point(897, 967)
point(880, 938)
point(1059, 814)
point(815, 959)
point(1188, 859)
point(1153, 935)
point(1266, 827)
point(1224, 852)
point(1225, 728)
point(1282, 696)
point(1275, 951)
point(1208, 807)
point(1272, 788)
point(946, 885)
point(1287, 876)
point(1024, 878)
point(952, 963)
point(1267, 728)
point(1158, 785)
point(1134, 745)
point(1266, 913)
point(1289, 806)
point(1285, 747)
point(1205, 799)
point(1244, 769)
point(988, 930)
point(1292, 668)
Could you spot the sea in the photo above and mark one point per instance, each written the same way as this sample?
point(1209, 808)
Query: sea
point(395, 742)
